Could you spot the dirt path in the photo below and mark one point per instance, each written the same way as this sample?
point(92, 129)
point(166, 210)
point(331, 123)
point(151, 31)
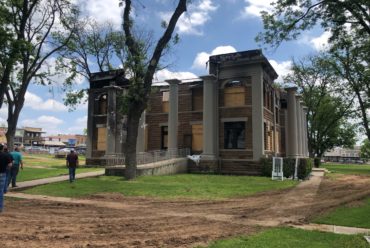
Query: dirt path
point(113, 220)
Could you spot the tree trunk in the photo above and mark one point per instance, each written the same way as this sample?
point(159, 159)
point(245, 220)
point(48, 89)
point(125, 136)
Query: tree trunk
point(13, 116)
point(144, 76)
point(133, 119)
point(365, 121)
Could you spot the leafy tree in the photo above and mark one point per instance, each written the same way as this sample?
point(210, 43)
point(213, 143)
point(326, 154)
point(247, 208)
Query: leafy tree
point(93, 47)
point(351, 60)
point(289, 18)
point(328, 109)
point(349, 24)
point(32, 25)
point(143, 66)
point(365, 149)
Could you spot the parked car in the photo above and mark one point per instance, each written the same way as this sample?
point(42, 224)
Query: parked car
point(81, 150)
point(64, 151)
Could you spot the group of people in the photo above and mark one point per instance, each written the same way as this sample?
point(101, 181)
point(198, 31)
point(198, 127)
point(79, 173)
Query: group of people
point(10, 163)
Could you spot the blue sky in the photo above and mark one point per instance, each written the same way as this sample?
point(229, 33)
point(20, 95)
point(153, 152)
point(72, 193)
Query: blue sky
point(209, 27)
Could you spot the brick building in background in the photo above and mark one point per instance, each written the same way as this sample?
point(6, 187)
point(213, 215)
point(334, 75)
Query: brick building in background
point(232, 117)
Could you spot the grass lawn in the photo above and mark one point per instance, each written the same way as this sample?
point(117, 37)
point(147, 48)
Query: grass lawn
point(358, 216)
point(355, 169)
point(292, 238)
point(173, 186)
point(46, 160)
point(37, 166)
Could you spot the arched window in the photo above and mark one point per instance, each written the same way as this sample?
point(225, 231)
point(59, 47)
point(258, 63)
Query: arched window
point(234, 94)
point(102, 104)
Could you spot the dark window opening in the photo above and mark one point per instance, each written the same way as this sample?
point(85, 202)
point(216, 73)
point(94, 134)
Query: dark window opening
point(234, 135)
point(164, 137)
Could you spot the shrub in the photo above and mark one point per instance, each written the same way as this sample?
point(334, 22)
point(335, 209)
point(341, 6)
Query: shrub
point(317, 162)
point(266, 167)
point(288, 167)
point(304, 168)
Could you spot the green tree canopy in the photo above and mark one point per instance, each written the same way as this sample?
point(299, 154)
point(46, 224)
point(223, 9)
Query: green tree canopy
point(328, 109)
point(365, 149)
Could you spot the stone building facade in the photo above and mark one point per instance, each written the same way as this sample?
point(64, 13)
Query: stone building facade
point(232, 117)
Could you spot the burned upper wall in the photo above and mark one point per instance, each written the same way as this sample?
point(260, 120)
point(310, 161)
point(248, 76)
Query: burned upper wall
point(238, 60)
point(100, 80)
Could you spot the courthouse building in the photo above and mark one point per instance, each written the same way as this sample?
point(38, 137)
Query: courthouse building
point(233, 116)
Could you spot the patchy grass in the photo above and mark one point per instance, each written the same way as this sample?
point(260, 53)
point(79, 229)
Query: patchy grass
point(354, 169)
point(37, 166)
point(173, 186)
point(47, 161)
point(354, 216)
point(292, 238)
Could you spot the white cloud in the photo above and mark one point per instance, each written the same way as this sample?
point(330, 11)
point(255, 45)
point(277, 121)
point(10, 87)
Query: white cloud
point(196, 16)
point(79, 126)
point(282, 69)
point(102, 11)
point(48, 124)
point(254, 7)
point(166, 74)
point(202, 58)
point(321, 43)
point(82, 120)
point(35, 102)
point(4, 112)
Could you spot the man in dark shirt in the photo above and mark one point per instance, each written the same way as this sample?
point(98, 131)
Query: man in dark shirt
point(5, 163)
point(72, 163)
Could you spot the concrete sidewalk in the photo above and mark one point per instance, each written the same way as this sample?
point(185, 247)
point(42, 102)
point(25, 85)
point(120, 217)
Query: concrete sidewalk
point(32, 183)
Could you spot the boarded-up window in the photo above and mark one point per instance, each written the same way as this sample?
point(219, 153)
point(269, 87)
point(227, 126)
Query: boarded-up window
point(102, 139)
point(269, 135)
point(197, 99)
point(277, 142)
point(197, 137)
point(234, 96)
point(165, 101)
point(266, 136)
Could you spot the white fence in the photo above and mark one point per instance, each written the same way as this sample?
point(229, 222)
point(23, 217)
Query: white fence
point(148, 157)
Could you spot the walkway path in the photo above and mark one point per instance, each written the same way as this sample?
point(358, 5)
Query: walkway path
point(334, 229)
point(33, 183)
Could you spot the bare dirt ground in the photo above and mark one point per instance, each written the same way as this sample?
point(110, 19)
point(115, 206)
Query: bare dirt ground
point(113, 220)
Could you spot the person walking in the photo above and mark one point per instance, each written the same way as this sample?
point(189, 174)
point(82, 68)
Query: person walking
point(7, 177)
point(72, 163)
point(17, 162)
point(5, 162)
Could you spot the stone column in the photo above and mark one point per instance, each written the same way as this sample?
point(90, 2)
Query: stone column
point(111, 120)
point(173, 113)
point(257, 115)
point(210, 109)
point(90, 124)
point(299, 125)
point(291, 130)
point(305, 129)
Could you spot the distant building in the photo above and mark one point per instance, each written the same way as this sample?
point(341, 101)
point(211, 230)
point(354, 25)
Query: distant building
point(70, 140)
point(339, 154)
point(32, 136)
point(28, 136)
